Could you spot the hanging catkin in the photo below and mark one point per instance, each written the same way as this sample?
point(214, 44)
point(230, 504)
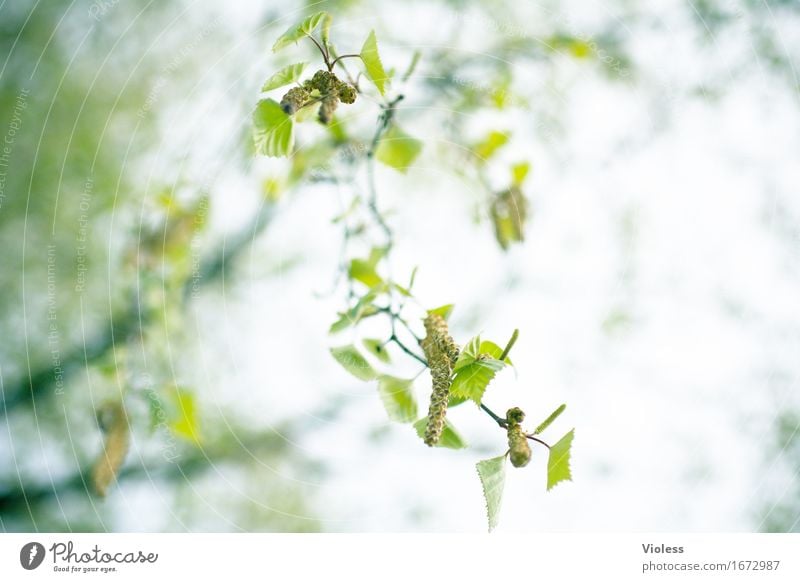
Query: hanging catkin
point(441, 352)
point(113, 421)
point(519, 449)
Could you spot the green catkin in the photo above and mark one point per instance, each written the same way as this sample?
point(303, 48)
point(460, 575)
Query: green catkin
point(441, 352)
point(294, 100)
point(324, 87)
point(519, 449)
point(113, 421)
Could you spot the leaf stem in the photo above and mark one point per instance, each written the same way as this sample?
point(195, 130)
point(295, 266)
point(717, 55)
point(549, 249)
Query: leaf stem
point(340, 57)
point(533, 438)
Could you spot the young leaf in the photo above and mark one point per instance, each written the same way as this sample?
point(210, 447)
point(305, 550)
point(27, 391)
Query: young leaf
point(397, 149)
point(364, 308)
point(327, 20)
point(185, 422)
point(377, 349)
point(472, 380)
point(372, 62)
point(295, 33)
point(450, 439)
point(492, 473)
point(398, 399)
point(273, 130)
point(519, 172)
point(469, 354)
point(444, 311)
point(363, 271)
point(490, 144)
point(352, 361)
point(549, 420)
point(492, 349)
point(288, 74)
point(558, 464)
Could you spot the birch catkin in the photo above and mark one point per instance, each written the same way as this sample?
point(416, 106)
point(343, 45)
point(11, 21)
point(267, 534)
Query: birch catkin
point(441, 352)
point(519, 449)
point(113, 421)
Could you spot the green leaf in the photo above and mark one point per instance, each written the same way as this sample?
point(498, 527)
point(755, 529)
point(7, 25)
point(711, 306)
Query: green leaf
point(364, 308)
point(492, 473)
point(185, 423)
point(450, 438)
point(490, 144)
point(519, 172)
point(327, 20)
point(295, 33)
point(397, 149)
point(364, 270)
point(469, 353)
point(372, 62)
point(444, 311)
point(549, 420)
point(377, 349)
point(273, 130)
point(352, 361)
point(398, 399)
point(492, 349)
point(558, 464)
point(472, 380)
point(288, 74)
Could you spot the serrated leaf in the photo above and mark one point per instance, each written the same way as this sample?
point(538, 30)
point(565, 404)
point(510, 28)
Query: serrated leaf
point(288, 74)
point(295, 33)
point(468, 354)
point(472, 380)
point(185, 422)
point(398, 398)
point(373, 64)
point(490, 144)
point(450, 438)
point(492, 473)
point(519, 172)
point(397, 149)
point(558, 468)
point(444, 310)
point(352, 361)
point(549, 420)
point(377, 348)
point(273, 130)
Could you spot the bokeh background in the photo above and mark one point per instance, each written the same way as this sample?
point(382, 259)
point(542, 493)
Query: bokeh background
point(146, 253)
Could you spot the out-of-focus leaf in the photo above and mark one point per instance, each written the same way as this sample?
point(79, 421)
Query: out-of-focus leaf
point(398, 398)
point(273, 130)
point(490, 144)
point(397, 149)
point(288, 74)
point(295, 33)
point(450, 438)
point(519, 172)
point(352, 361)
point(377, 349)
point(185, 422)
